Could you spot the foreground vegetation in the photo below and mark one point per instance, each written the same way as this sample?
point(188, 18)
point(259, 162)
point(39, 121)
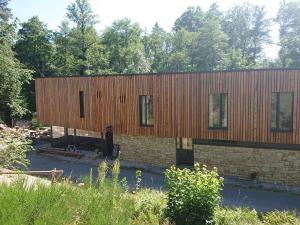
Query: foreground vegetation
point(13, 147)
point(107, 201)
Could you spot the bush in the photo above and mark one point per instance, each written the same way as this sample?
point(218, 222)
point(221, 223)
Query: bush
point(13, 148)
point(280, 218)
point(236, 216)
point(35, 125)
point(149, 207)
point(193, 195)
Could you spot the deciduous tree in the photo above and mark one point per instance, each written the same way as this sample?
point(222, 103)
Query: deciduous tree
point(123, 41)
point(289, 20)
point(12, 73)
point(248, 30)
point(34, 49)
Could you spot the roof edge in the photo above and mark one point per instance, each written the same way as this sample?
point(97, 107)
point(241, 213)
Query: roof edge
point(172, 73)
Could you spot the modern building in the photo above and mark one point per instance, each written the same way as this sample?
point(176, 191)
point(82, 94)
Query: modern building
point(246, 123)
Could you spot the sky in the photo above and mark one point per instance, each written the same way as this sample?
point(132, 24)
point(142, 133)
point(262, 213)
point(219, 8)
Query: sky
point(146, 13)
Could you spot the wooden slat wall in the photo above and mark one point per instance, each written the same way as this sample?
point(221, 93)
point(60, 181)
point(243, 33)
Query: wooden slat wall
point(180, 103)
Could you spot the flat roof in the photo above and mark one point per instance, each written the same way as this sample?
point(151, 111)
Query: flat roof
point(171, 73)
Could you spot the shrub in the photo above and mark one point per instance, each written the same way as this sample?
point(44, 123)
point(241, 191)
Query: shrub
point(193, 195)
point(34, 122)
point(236, 216)
point(149, 206)
point(281, 218)
point(13, 148)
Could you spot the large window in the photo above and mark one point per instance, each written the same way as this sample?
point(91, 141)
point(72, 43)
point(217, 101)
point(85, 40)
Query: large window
point(146, 110)
point(218, 111)
point(81, 104)
point(282, 111)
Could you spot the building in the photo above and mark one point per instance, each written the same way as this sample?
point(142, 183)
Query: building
point(246, 123)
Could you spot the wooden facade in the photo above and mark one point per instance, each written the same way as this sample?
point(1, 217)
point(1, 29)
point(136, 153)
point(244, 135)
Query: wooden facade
point(180, 103)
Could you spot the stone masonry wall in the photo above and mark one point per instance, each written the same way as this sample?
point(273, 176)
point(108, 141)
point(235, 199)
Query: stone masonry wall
point(149, 150)
point(270, 165)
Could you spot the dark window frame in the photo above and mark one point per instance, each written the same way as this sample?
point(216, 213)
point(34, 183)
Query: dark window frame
point(81, 104)
point(277, 113)
point(222, 112)
point(141, 111)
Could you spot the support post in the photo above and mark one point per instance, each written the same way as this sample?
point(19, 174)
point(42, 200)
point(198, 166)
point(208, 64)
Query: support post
point(74, 140)
point(51, 135)
point(66, 134)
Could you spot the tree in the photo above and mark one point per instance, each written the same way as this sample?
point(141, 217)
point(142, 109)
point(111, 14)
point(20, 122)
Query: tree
point(192, 20)
point(34, 49)
point(123, 42)
point(159, 44)
point(12, 73)
point(198, 42)
point(63, 58)
point(208, 50)
point(248, 30)
point(84, 40)
point(179, 58)
point(288, 18)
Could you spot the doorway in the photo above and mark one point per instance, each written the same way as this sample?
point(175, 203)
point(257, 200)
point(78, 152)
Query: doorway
point(184, 152)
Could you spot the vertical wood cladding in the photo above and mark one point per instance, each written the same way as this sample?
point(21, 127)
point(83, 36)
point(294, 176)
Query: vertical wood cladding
point(180, 103)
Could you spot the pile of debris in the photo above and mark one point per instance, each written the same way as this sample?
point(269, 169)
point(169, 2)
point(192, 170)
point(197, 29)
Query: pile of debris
point(30, 178)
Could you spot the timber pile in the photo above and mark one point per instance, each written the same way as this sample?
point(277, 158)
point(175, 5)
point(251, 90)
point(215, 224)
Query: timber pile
point(9, 177)
point(45, 173)
point(59, 151)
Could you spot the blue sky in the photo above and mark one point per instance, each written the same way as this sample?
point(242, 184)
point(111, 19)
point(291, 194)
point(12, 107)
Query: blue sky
point(146, 13)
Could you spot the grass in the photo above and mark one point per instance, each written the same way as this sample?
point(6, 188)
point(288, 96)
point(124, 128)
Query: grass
point(106, 202)
point(64, 204)
point(246, 216)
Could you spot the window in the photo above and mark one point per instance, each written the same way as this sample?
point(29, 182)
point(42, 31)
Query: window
point(282, 111)
point(81, 104)
point(146, 110)
point(218, 111)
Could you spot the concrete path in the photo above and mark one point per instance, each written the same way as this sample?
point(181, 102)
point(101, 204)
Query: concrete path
point(232, 196)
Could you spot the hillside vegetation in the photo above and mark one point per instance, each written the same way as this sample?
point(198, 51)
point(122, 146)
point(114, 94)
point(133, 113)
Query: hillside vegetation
point(110, 202)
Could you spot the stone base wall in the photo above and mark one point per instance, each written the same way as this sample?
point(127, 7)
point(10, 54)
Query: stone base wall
point(267, 165)
point(154, 151)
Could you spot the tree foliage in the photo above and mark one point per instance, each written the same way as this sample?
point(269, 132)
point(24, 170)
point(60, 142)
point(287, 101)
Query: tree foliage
point(157, 46)
point(35, 50)
point(209, 47)
point(12, 73)
point(83, 40)
point(289, 20)
point(191, 20)
point(248, 30)
point(123, 42)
